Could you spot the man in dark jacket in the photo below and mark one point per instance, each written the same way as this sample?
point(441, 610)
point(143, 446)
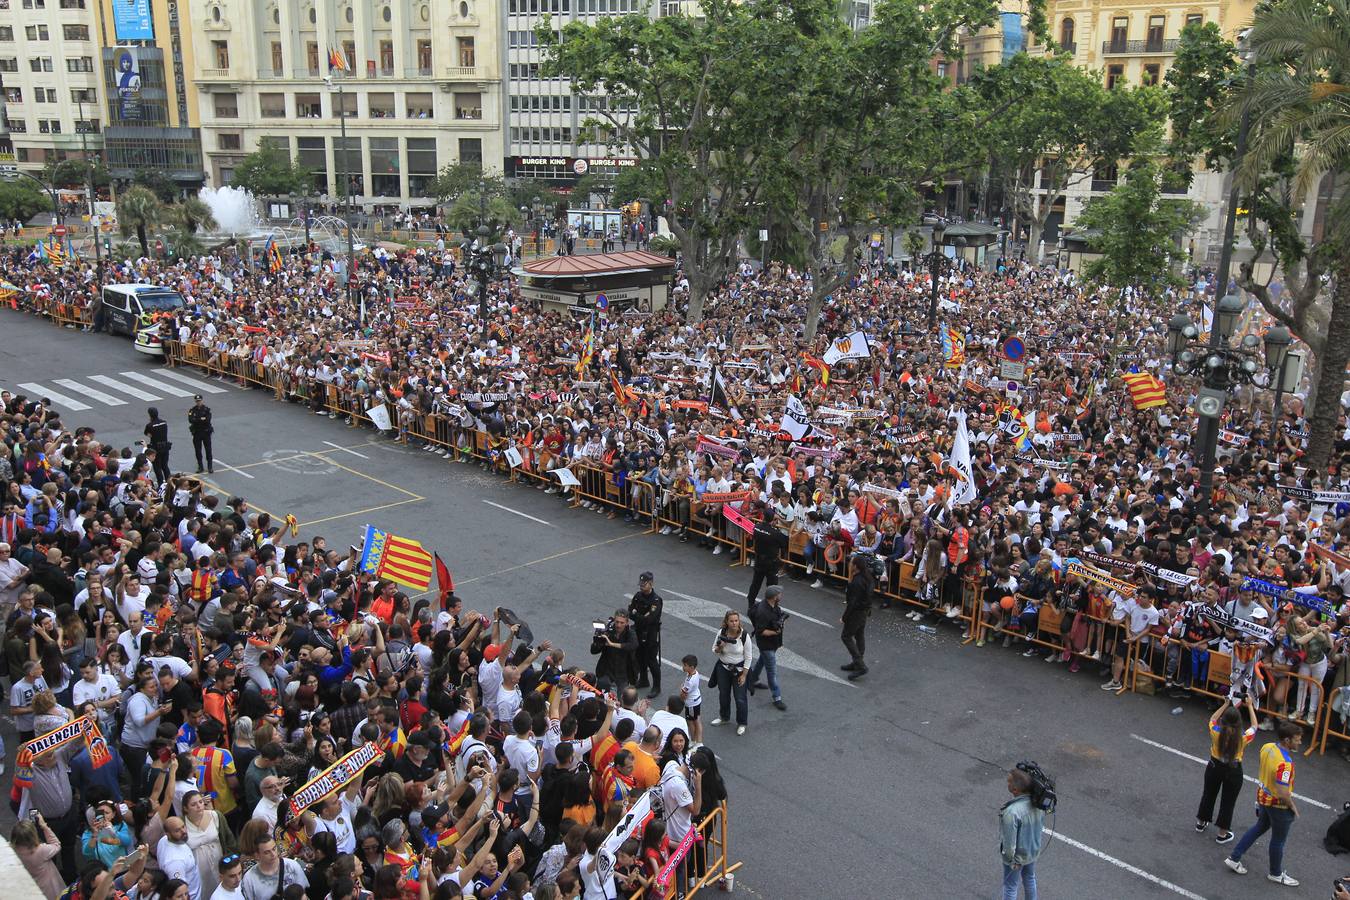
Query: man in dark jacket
point(857, 607)
point(770, 544)
point(616, 645)
point(645, 611)
point(767, 619)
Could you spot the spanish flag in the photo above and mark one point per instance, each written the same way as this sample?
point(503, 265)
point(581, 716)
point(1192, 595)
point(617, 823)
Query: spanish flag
point(337, 61)
point(455, 741)
point(819, 366)
point(405, 562)
point(1146, 391)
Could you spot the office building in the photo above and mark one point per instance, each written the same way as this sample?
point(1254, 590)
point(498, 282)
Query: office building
point(422, 90)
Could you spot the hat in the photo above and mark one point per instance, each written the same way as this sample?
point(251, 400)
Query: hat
point(196, 396)
point(433, 813)
point(1259, 614)
point(491, 652)
point(645, 576)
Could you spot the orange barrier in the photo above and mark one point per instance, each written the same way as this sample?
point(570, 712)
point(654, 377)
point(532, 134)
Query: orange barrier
point(708, 863)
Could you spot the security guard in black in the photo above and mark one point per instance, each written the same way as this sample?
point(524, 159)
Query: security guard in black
point(199, 424)
point(645, 611)
point(157, 439)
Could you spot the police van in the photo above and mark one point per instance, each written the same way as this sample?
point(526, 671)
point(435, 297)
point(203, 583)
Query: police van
point(134, 309)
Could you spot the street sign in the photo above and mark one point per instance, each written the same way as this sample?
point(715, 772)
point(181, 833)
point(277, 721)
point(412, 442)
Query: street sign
point(1013, 349)
point(1012, 371)
point(59, 231)
point(601, 301)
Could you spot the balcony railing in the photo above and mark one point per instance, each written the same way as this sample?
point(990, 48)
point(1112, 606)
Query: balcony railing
point(469, 113)
point(1069, 47)
point(1128, 48)
point(1102, 185)
point(465, 72)
point(215, 73)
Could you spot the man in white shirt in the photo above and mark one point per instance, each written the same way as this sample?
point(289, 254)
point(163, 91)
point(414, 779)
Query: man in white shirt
point(272, 798)
point(175, 857)
point(670, 718)
point(231, 871)
point(12, 573)
point(100, 689)
point(131, 597)
point(521, 752)
point(133, 639)
point(336, 814)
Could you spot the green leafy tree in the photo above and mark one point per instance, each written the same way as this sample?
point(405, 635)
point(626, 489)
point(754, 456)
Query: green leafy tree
point(1202, 78)
point(1137, 231)
point(1299, 107)
point(72, 173)
point(1060, 123)
point(468, 212)
point(139, 211)
point(154, 180)
point(22, 201)
point(192, 215)
point(460, 178)
point(595, 183)
point(269, 171)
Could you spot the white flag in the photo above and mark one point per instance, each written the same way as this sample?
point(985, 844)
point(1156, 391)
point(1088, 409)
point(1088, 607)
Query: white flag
point(854, 346)
point(964, 491)
point(796, 422)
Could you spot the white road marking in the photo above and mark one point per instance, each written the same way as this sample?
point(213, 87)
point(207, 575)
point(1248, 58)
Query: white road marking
point(106, 399)
point(1204, 762)
point(157, 385)
point(225, 465)
point(689, 608)
point(516, 512)
point(38, 392)
point(344, 450)
point(203, 387)
point(786, 608)
point(1121, 864)
point(124, 388)
point(674, 665)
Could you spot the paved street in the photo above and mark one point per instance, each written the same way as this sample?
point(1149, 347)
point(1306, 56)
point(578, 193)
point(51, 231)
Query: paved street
point(884, 788)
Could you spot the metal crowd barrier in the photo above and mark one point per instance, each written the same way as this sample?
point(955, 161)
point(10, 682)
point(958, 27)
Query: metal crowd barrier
point(708, 860)
point(641, 499)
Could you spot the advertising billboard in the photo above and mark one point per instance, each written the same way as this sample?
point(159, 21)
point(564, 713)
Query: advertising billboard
point(132, 21)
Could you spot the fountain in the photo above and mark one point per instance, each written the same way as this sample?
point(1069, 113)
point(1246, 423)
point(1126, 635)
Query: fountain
point(234, 209)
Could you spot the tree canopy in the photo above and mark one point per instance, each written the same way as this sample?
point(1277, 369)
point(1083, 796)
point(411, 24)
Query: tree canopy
point(269, 171)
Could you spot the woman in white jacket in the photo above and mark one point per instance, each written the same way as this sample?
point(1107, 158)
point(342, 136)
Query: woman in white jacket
point(735, 651)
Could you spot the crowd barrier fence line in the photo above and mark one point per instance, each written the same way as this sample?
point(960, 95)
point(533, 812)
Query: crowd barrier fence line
point(712, 852)
point(637, 497)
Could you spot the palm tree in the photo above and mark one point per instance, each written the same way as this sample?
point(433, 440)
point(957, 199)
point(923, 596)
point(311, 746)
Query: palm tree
point(1299, 103)
point(192, 215)
point(139, 210)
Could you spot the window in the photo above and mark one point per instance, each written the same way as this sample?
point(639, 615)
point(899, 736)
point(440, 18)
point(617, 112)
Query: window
point(1115, 74)
point(348, 108)
point(228, 141)
point(1120, 32)
point(18, 126)
point(75, 32)
point(941, 68)
point(82, 95)
point(36, 32)
point(311, 153)
point(72, 4)
point(278, 61)
point(386, 57)
point(13, 95)
point(469, 105)
point(421, 165)
point(227, 106)
point(220, 50)
point(308, 106)
point(86, 126)
point(1153, 42)
point(80, 64)
point(381, 106)
point(347, 161)
point(34, 4)
point(1194, 18)
point(312, 57)
point(1066, 35)
point(272, 106)
point(419, 105)
point(1152, 74)
point(9, 64)
point(465, 47)
point(385, 180)
point(349, 53)
point(424, 57)
point(40, 64)
point(6, 33)
point(471, 150)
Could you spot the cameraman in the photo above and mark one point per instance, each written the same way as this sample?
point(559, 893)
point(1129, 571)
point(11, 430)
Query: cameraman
point(616, 644)
point(767, 619)
point(1021, 827)
point(645, 611)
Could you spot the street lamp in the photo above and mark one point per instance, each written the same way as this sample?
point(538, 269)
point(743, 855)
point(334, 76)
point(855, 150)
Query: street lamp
point(1223, 367)
point(346, 196)
point(537, 212)
point(1278, 341)
point(483, 260)
point(936, 261)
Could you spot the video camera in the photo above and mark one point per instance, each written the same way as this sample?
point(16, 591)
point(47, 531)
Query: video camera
point(1042, 786)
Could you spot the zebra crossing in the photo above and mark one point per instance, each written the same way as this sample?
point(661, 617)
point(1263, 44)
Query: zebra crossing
point(80, 394)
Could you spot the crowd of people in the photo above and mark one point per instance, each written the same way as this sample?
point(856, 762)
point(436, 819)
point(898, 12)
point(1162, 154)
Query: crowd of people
point(1070, 479)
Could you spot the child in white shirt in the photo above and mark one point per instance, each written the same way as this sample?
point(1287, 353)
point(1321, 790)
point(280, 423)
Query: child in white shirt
point(692, 696)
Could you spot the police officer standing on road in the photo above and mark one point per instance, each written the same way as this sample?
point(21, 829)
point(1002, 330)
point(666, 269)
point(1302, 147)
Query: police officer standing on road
point(157, 437)
point(199, 423)
point(645, 611)
point(770, 544)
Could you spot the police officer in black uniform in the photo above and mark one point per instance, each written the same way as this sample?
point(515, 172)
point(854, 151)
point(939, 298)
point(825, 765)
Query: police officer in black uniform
point(645, 611)
point(199, 423)
point(157, 439)
point(770, 545)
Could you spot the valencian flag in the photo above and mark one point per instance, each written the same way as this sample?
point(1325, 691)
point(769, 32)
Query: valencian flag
point(622, 395)
point(401, 560)
point(337, 61)
point(1085, 405)
point(953, 348)
point(273, 254)
point(587, 348)
point(9, 293)
point(1145, 391)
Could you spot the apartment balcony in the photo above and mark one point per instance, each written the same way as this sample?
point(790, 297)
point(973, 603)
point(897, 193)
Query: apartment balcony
point(213, 74)
point(463, 73)
point(469, 113)
point(1139, 48)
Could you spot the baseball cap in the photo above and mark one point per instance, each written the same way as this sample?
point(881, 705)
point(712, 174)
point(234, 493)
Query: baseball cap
point(1259, 614)
point(491, 652)
point(433, 813)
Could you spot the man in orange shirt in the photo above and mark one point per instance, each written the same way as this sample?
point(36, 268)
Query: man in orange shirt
point(646, 770)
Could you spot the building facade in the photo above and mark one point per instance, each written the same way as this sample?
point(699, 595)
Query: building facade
point(49, 69)
point(422, 90)
point(1130, 43)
